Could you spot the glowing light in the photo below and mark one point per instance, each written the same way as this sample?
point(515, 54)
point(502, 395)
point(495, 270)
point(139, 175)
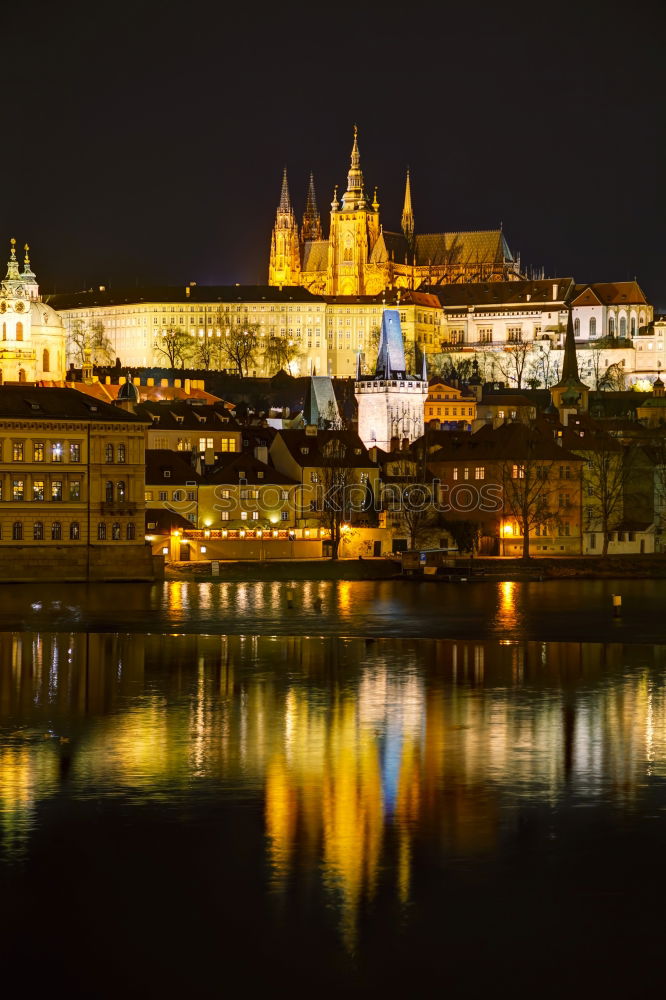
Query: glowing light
point(202, 549)
point(165, 551)
point(275, 534)
point(224, 533)
point(260, 533)
point(307, 532)
point(242, 533)
point(507, 528)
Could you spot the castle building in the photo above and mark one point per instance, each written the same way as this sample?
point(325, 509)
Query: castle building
point(32, 338)
point(361, 258)
point(390, 402)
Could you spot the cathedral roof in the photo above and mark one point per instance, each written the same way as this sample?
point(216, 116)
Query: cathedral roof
point(482, 247)
point(315, 255)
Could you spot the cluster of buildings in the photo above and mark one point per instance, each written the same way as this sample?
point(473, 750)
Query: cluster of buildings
point(458, 294)
point(515, 448)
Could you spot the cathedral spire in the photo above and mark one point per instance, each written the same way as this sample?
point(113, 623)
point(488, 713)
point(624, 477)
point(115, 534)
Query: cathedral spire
point(311, 229)
point(407, 212)
point(354, 196)
point(285, 201)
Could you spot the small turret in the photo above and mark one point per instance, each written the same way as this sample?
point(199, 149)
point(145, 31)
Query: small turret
point(408, 213)
point(311, 228)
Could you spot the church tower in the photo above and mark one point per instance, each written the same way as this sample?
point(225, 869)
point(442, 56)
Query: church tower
point(285, 261)
point(391, 403)
point(408, 217)
point(311, 228)
point(354, 231)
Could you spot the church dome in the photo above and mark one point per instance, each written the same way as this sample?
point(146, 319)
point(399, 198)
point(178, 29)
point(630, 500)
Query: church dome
point(43, 315)
point(128, 392)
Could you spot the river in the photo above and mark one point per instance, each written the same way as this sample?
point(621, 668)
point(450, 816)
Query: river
point(388, 787)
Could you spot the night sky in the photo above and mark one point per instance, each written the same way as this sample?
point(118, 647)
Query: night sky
point(144, 142)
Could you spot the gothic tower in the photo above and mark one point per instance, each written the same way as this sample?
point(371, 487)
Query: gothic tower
point(285, 261)
point(408, 217)
point(354, 230)
point(311, 228)
point(391, 402)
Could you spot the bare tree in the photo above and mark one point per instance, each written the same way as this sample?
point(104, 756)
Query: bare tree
point(206, 351)
point(175, 345)
point(605, 481)
point(528, 488)
point(239, 347)
point(605, 375)
point(513, 362)
point(544, 369)
point(279, 353)
point(83, 337)
point(337, 478)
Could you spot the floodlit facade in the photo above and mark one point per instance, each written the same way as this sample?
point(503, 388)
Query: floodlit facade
point(32, 335)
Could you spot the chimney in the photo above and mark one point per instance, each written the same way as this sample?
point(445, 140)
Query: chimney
point(395, 444)
point(187, 291)
point(261, 453)
point(405, 444)
point(372, 454)
point(554, 293)
point(186, 386)
point(107, 380)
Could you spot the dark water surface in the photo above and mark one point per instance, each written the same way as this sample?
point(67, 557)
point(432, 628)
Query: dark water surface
point(552, 610)
point(193, 815)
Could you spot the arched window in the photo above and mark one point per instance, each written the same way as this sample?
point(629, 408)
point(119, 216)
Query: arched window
point(21, 375)
point(19, 330)
point(593, 327)
point(109, 492)
point(115, 532)
point(38, 531)
point(4, 331)
point(121, 454)
point(109, 453)
point(611, 326)
point(101, 532)
point(17, 531)
point(633, 326)
point(121, 491)
point(576, 328)
point(74, 531)
point(130, 533)
point(623, 326)
point(56, 531)
point(45, 361)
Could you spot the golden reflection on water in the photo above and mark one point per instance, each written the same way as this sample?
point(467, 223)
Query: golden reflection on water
point(363, 754)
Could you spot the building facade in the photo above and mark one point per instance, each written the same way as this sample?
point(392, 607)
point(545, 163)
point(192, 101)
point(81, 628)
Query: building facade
point(33, 337)
point(72, 482)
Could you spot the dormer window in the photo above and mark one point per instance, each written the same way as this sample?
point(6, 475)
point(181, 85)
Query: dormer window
point(305, 451)
point(167, 474)
point(260, 474)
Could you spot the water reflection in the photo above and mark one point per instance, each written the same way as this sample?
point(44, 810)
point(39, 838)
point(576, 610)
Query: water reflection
point(368, 758)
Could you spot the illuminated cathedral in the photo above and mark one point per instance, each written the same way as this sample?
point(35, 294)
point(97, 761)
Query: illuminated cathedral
point(360, 257)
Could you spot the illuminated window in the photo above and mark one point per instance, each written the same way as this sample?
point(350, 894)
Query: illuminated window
point(38, 451)
point(56, 489)
point(109, 453)
point(17, 489)
point(115, 532)
point(121, 454)
point(479, 472)
point(130, 532)
point(75, 489)
point(101, 532)
point(518, 472)
point(38, 489)
point(243, 515)
point(38, 531)
point(17, 451)
point(74, 531)
point(75, 452)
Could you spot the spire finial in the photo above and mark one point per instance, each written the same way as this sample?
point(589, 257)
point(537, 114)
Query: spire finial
point(354, 197)
point(375, 203)
point(12, 263)
point(26, 259)
point(335, 204)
